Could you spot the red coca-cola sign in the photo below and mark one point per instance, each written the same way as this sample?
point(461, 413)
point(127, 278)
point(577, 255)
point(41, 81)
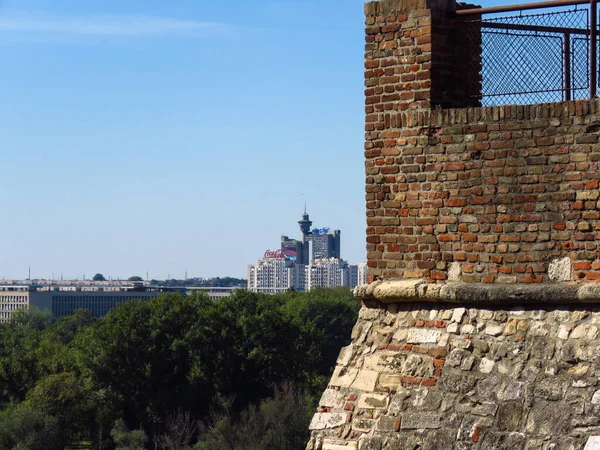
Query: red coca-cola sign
point(275, 254)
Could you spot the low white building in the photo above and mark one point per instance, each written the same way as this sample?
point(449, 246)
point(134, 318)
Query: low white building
point(63, 300)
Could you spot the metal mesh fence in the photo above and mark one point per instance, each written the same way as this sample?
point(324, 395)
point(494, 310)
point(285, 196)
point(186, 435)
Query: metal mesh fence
point(530, 58)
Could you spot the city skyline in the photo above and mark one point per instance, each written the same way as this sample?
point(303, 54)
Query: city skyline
point(317, 231)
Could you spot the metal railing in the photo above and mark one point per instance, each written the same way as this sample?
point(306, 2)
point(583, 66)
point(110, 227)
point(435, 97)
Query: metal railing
point(542, 55)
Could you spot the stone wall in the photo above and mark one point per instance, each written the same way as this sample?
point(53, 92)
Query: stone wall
point(467, 377)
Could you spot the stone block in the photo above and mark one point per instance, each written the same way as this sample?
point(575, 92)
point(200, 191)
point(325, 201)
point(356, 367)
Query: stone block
point(452, 328)
point(366, 380)
point(458, 314)
point(560, 269)
point(461, 342)
point(550, 389)
point(363, 332)
point(362, 424)
point(493, 329)
point(509, 416)
point(423, 336)
point(366, 313)
point(415, 420)
point(321, 421)
point(332, 399)
point(346, 355)
point(334, 444)
point(389, 381)
point(485, 409)
point(539, 328)
point(455, 357)
point(418, 366)
point(401, 335)
point(387, 423)
point(373, 401)
point(467, 363)
point(546, 419)
point(585, 331)
point(579, 331)
point(467, 329)
point(563, 331)
point(511, 390)
point(589, 353)
point(443, 342)
point(593, 443)
point(486, 365)
point(343, 377)
point(454, 272)
point(371, 443)
point(384, 361)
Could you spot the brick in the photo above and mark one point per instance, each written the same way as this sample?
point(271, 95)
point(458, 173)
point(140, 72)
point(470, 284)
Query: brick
point(456, 202)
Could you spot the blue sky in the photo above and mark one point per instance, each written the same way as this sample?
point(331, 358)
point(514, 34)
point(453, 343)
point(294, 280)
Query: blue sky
point(175, 135)
point(166, 136)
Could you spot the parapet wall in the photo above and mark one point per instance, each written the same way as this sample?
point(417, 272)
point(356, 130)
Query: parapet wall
point(500, 192)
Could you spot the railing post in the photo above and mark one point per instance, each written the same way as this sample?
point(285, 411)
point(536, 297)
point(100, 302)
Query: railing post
point(593, 54)
point(567, 65)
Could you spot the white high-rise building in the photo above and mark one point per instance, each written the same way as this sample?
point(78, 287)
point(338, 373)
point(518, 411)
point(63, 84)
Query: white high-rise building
point(275, 274)
point(328, 273)
point(362, 274)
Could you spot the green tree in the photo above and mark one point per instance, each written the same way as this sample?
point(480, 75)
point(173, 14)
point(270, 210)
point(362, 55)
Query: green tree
point(135, 278)
point(148, 361)
point(24, 428)
point(55, 351)
point(19, 365)
point(66, 398)
point(98, 277)
point(140, 355)
point(323, 320)
point(125, 439)
point(244, 343)
point(278, 423)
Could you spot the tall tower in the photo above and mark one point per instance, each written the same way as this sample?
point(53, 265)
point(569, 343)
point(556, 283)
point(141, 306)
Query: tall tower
point(305, 225)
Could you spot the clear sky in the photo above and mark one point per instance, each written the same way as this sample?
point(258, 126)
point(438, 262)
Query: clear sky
point(174, 135)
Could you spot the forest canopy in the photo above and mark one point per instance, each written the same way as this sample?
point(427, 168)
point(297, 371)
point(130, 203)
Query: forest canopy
point(173, 372)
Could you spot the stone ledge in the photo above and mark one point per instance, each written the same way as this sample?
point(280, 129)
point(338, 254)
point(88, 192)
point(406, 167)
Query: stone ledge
point(400, 291)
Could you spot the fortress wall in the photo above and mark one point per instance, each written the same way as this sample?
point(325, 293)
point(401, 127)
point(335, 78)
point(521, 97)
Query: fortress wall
point(418, 376)
point(479, 327)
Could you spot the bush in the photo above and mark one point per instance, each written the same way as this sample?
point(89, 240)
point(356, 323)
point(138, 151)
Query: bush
point(278, 423)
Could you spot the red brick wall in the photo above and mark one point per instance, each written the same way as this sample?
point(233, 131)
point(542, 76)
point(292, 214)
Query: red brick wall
point(502, 191)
